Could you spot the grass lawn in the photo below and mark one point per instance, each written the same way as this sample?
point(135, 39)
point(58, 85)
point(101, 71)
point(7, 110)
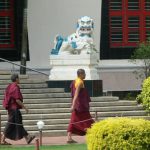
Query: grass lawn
point(60, 147)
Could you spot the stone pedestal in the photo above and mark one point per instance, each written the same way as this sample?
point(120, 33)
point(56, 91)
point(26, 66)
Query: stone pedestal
point(64, 70)
point(64, 67)
point(94, 87)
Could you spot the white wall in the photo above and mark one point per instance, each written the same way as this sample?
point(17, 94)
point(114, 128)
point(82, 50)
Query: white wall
point(46, 18)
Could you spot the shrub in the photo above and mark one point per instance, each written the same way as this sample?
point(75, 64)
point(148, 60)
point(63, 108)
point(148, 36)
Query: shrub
point(144, 96)
point(119, 134)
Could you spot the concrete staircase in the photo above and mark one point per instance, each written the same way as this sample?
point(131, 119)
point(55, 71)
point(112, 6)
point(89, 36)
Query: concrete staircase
point(52, 105)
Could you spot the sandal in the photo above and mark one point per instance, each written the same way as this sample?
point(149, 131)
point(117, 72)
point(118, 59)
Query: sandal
point(5, 143)
point(71, 141)
point(30, 139)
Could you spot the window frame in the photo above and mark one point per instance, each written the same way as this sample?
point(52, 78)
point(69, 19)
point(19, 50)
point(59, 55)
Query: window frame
point(10, 14)
point(126, 13)
point(14, 53)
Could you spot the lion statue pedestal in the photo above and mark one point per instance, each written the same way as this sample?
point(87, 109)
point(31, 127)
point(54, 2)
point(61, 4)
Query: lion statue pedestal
point(64, 67)
point(75, 52)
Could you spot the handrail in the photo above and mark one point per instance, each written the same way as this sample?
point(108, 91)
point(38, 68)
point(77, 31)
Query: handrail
point(5, 60)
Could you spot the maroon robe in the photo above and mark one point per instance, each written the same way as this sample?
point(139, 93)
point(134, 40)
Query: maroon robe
point(80, 117)
point(14, 129)
point(12, 93)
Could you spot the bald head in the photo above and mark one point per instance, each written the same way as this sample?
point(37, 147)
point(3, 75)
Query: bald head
point(81, 73)
point(14, 77)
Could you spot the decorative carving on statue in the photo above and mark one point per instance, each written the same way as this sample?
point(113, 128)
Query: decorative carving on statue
point(80, 42)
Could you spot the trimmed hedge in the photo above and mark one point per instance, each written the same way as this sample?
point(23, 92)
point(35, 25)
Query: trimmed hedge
point(119, 134)
point(144, 96)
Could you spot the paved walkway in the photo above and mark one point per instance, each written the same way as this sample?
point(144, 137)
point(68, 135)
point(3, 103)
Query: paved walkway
point(61, 140)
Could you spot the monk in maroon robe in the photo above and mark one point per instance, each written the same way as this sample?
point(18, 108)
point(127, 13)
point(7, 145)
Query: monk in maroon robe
point(80, 117)
point(13, 102)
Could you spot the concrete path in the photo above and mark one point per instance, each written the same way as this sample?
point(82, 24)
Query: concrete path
point(50, 141)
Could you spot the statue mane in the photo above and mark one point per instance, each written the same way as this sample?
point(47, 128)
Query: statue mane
point(80, 42)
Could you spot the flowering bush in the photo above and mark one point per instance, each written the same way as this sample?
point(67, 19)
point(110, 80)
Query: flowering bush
point(119, 134)
point(144, 96)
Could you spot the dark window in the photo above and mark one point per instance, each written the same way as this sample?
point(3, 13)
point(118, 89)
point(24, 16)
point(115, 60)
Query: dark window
point(115, 4)
point(133, 36)
point(147, 5)
point(7, 24)
point(125, 24)
point(133, 22)
point(116, 30)
point(147, 26)
point(128, 20)
point(116, 22)
point(11, 23)
point(147, 22)
point(5, 5)
point(133, 29)
point(133, 4)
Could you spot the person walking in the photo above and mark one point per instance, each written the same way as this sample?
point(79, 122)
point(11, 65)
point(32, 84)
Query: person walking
point(13, 102)
point(80, 116)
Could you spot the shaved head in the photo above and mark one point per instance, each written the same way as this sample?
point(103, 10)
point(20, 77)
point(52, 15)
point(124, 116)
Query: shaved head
point(14, 77)
point(80, 71)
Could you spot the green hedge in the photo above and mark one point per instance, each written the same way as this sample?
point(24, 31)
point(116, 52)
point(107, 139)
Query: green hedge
point(119, 134)
point(144, 96)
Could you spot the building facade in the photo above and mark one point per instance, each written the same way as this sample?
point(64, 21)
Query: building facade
point(119, 25)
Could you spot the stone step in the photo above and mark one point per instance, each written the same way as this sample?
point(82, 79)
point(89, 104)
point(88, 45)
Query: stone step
point(35, 91)
point(42, 116)
point(66, 121)
point(47, 110)
point(46, 127)
point(46, 107)
point(52, 105)
point(67, 115)
point(5, 72)
point(28, 86)
point(135, 117)
point(46, 121)
point(50, 133)
point(44, 90)
point(68, 100)
point(61, 132)
point(119, 103)
point(122, 113)
point(141, 117)
point(23, 81)
point(48, 100)
point(116, 108)
point(60, 104)
point(50, 130)
point(8, 76)
point(105, 98)
point(67, 105)
point(45, 95)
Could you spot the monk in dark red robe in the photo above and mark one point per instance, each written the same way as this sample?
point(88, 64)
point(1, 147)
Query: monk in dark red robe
point(80, 117)
point(13, 102)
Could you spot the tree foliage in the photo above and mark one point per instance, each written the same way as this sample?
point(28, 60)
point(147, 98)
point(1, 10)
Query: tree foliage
point(142, 56)
point(144, 96)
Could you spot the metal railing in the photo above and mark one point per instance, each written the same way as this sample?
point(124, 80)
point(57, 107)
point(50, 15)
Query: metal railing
point(34, 70)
